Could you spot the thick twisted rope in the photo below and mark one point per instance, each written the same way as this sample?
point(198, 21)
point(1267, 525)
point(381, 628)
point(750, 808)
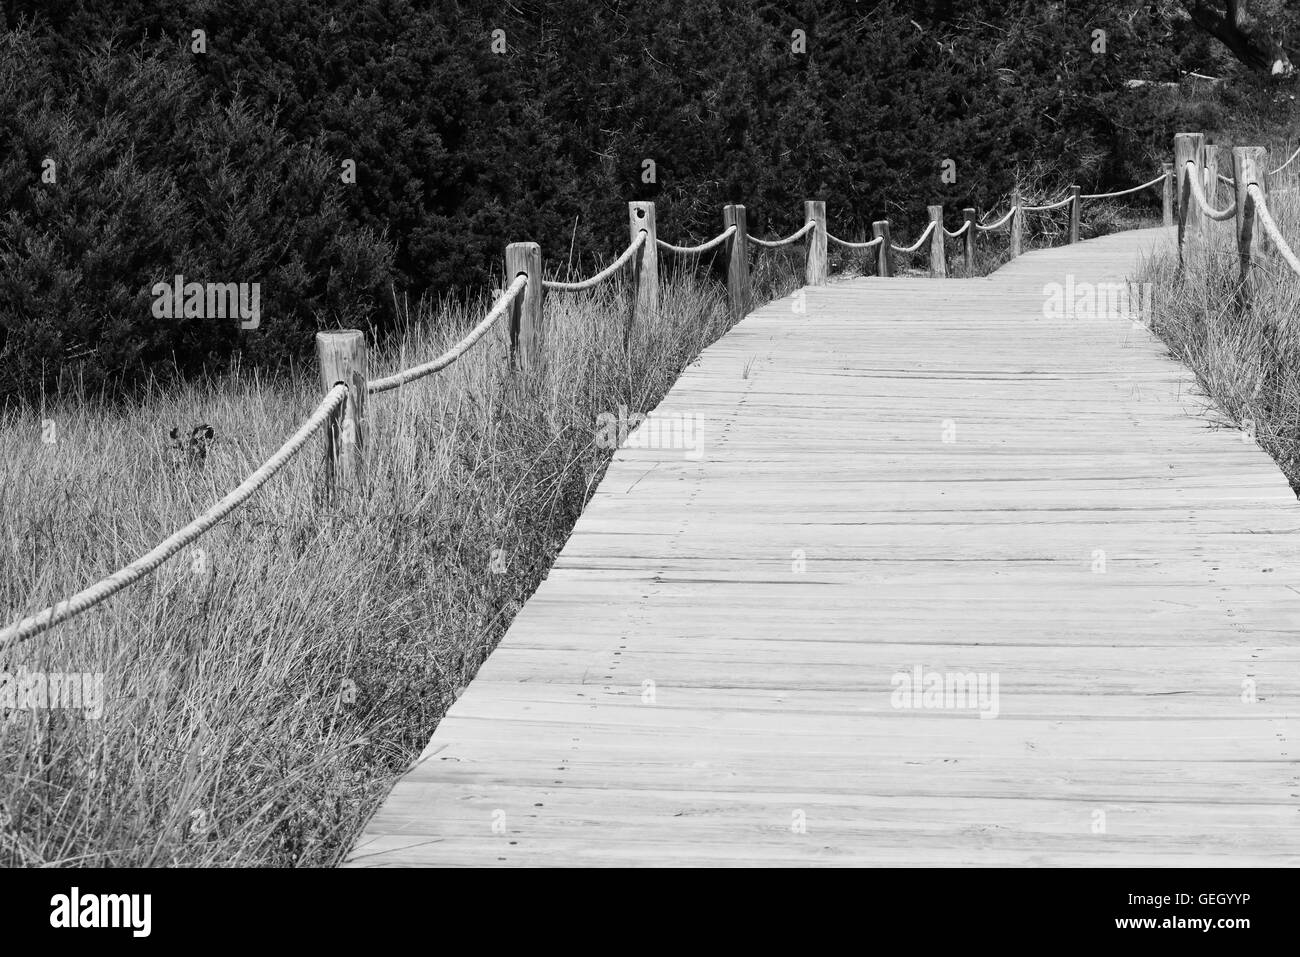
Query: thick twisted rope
point(849, 245)
point(1000, 223)
point(702, 248)
point(1286, 164)
point(604, 274)
point(142, 566)
point(458, 350)
point(919, 242)
point(1125, 192)
point(1039, 209)
point(772, 243)
point(1198, 193)
point(953, 234)
point(1270, 227)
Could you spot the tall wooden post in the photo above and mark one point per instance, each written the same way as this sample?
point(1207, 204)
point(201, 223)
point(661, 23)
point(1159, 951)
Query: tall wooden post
point(1167, 193)
point(1187, 149)
point(814, 211)
point(885, 251)
point(969, 215)
point(341, 356)
point(1017, 224)
point(1210, 175)
point(1247, 168)
point(527, 334)
point(938, 257)
point(1076, 210)
point(645, 272)
point(737, 261)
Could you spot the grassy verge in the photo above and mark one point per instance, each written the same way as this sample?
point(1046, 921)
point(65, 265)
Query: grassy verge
point(1237, 338)
point(263, 688)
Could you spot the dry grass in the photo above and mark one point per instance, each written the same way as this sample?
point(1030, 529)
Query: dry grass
point(1239, 339)
point(262, 693)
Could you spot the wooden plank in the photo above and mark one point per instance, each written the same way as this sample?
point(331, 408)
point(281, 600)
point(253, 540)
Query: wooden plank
point(912, 478)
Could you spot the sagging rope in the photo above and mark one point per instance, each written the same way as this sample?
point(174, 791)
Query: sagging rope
point(604, 274)
point(1198, 192)
point(1039, 209)
point(1286, 164)
point(849, 245)
point(456, 351)
point(1125, 192)
point(919, 242)
point(1270, 227)
point(142, 566)
point(1000, 223)
point(772, 243)
point(953, 234)
point(702, 248)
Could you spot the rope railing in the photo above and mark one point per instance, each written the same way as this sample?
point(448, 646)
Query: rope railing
point(1125, 192)
point(1270, 226)
point(1197, 190)
point(717, 240)
point(455, 352)
point(848, 245)
point(1274, 172)
point(89, 597)
point(1040, 209)
point(1000, 223)
point(604, 274)
point(907, 250)
point(954, 233)
point(773, 243)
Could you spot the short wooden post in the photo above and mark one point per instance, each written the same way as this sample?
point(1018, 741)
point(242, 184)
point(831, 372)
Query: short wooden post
point(969, 215)
point(1187, 149)
point(1017, 224)
point(527, 335)
point(341, 356)
point(1076, 208)
point(737, 261)
point(814, 211)
point(938, 254)
point(885, 251)
point(1167, 193)
point(645, 272)
point(1247, 168)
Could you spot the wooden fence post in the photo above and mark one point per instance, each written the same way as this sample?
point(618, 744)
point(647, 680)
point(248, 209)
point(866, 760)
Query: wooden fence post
point(527, 335)
point(885, 251)
point(1017, 224)
point(1187, 149)
point(969, 215)
point(1209, 174)
point(1167, 193)
point(1076, 209)
point(938, 256)
point(1247, 168)
point(341, 356)
point(814, 211)
point(737, 261)
point(645, 272)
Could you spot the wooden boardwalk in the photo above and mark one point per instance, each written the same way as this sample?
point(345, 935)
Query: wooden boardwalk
point(910, 474)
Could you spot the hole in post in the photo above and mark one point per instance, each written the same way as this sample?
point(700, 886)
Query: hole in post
point(640, 213)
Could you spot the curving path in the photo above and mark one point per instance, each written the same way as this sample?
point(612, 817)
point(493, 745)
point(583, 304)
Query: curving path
point(912, 478)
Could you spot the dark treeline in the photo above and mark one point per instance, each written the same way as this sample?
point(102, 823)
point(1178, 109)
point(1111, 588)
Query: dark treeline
point(129, 158)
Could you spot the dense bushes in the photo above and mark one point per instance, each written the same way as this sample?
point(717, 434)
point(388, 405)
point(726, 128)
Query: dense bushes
point(226, 164)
